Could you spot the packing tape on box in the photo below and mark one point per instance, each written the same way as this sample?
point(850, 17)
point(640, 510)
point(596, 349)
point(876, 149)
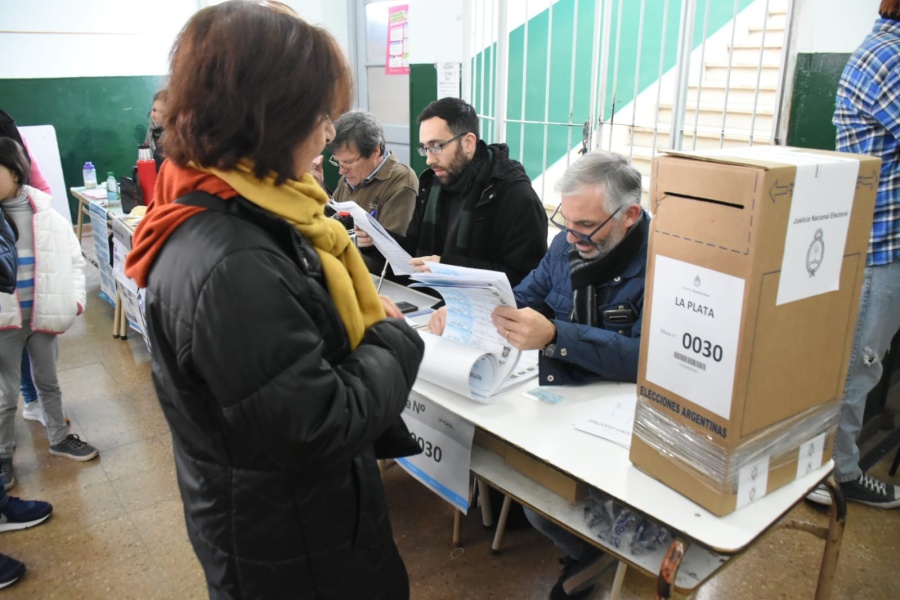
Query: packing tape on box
point(718, 466)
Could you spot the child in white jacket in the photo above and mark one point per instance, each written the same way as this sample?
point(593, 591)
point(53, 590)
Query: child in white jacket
point(50, 293)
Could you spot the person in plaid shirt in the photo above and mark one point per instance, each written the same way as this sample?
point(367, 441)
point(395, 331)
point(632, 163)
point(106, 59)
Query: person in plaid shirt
point(867, 118)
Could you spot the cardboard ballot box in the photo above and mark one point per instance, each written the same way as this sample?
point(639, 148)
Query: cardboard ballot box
point(754, 275)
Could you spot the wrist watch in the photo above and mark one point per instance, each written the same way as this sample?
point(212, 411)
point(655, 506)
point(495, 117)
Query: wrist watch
point(550, 349)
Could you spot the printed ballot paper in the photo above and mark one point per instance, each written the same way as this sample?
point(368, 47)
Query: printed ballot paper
point(381, 239)
point(471, 357)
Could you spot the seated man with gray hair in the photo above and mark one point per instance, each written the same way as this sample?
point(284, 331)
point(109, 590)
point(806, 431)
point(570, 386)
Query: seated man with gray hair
point(582, 306)
point(372, 176)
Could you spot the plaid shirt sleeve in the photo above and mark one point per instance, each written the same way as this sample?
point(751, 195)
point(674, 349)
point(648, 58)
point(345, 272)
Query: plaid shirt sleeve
point(867, 118)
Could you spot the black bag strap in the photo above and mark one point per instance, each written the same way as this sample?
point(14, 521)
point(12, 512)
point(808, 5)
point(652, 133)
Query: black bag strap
point(208, 201)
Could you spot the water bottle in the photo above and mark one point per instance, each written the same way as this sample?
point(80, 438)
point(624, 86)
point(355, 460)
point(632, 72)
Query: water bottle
point(112, 188)
point(90, 175)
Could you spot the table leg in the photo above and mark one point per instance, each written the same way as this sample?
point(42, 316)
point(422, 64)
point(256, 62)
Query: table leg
point(616, 591)
point(123, 326)
point(457, 528)
point(833, 539)
point(79, 221)
point(487, 516)
point(669, 568)
point(591, 572)
point(501, 525)
point(117, 315)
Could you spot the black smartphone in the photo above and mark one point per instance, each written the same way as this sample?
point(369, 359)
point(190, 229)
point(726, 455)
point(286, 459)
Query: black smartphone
point(406, 307)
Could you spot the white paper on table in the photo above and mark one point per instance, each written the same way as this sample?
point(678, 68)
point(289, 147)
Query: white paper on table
point(526, 368)
point(382, 240)
point(471, 296)
point(463, 369)
point(96, 193)
point(612, 419)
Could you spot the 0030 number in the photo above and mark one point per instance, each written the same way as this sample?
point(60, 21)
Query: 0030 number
point(428, 449)
point(702, 347)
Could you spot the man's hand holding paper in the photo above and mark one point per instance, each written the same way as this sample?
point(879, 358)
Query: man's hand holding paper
point(524, 328)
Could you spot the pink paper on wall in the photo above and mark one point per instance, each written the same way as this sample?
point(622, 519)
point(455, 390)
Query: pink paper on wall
point(396, 60)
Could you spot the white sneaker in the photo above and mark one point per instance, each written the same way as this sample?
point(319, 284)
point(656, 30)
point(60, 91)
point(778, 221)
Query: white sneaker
point(34, 412)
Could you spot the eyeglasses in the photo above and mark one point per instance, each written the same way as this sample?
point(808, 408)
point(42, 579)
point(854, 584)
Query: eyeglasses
point(437, 148)
point(343, 164)
point(582, 237)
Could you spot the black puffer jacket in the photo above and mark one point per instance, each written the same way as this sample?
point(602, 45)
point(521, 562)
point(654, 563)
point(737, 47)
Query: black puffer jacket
point(9, 257)
point(272, 415)
point(508, 231)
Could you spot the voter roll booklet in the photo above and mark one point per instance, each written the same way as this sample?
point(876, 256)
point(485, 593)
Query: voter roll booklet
point(471, 358)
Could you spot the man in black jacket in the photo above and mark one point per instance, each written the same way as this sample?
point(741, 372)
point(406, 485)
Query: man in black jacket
point(476, 207)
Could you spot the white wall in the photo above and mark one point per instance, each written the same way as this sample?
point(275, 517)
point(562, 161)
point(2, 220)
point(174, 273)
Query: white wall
point(435, 31)
point(99, 38)
point(833, 26)
point(89, 38)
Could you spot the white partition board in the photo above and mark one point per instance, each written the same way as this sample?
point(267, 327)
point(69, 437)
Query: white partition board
point(42, 142)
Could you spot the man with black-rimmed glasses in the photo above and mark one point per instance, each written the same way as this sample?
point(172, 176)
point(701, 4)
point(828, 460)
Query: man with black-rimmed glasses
point(583, 304)
point(582, 307)
point(475, 207)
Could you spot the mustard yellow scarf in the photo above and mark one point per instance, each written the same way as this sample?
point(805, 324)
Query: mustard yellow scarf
point(302, 204)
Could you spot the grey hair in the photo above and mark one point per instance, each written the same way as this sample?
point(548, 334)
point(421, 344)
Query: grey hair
point(618, 182)
point(361, 128)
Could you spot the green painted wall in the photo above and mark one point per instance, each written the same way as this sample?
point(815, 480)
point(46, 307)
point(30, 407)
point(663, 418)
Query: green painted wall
point(812, 101)
point(422, 91)
point(97, 119)
point(527, 142)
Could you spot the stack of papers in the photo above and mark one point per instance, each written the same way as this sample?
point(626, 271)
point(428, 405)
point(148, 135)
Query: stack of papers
point(95, 193)
point(471, 357)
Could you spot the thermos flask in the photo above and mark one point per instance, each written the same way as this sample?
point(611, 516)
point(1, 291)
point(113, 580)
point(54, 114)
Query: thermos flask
point(146, 172)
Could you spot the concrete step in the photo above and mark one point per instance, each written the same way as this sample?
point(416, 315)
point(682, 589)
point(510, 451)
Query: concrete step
point(739, 92)
point(749, 54)
point(777, 21)
point(742, 73)
point(774, 37)
point(707, 138)
point(739, 116)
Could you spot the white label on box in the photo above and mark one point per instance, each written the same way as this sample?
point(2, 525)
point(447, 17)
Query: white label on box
point(695, 322)
point(818, 224)
point(809, 457)
point(752, 482)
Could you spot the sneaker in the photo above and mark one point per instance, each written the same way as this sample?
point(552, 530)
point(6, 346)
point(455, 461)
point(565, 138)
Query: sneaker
point(867, 490)
point(8, 473)
point(75, 448)
point(10, 570)
point(571, 568)
point(34, 412)
point(820, 495)
point(22, 514)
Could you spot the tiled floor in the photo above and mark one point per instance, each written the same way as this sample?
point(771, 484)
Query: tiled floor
point(117, 529)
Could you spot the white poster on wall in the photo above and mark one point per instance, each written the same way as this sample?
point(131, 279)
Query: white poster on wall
point(448, 80)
